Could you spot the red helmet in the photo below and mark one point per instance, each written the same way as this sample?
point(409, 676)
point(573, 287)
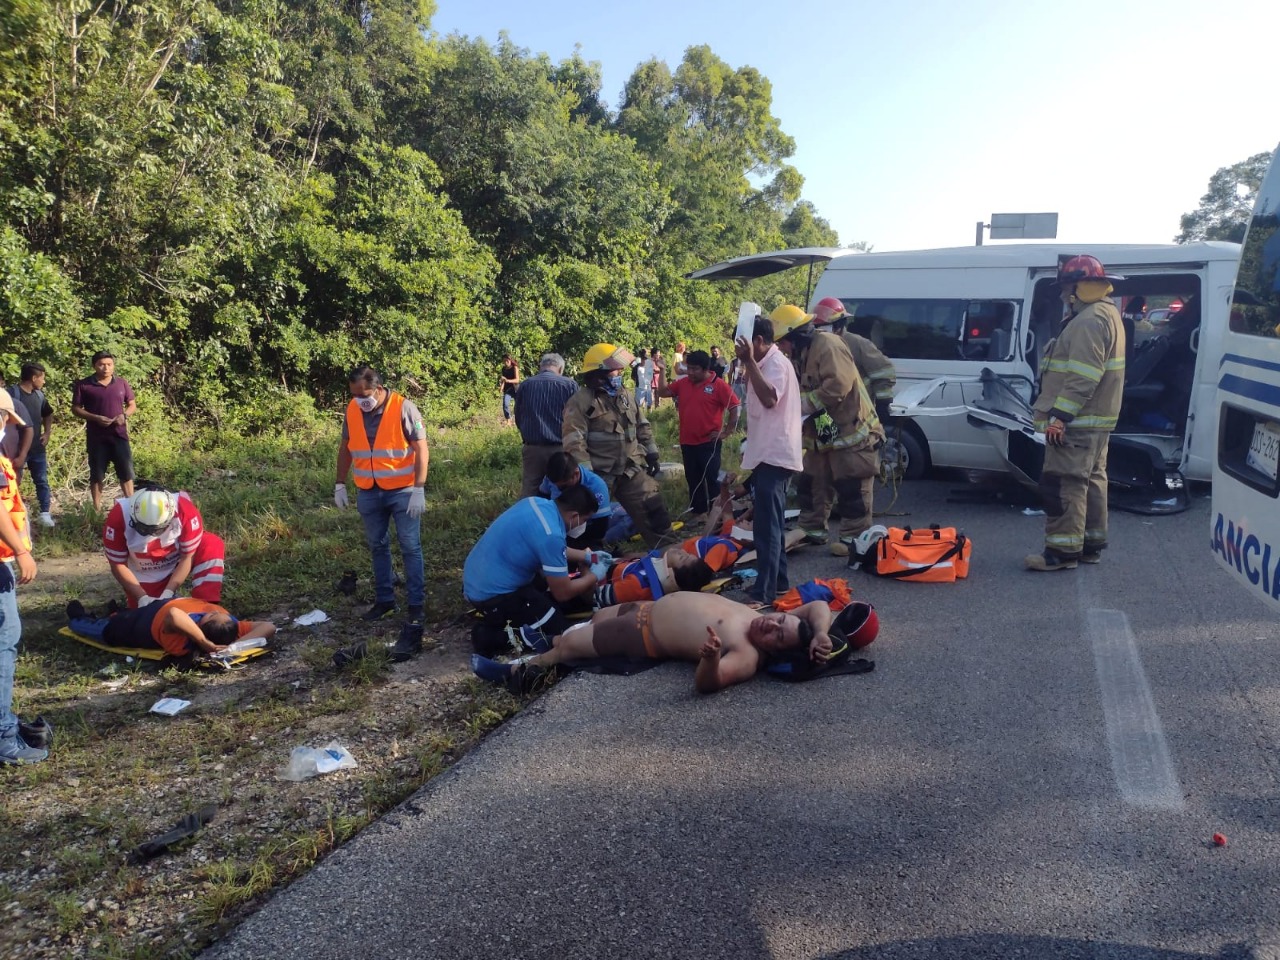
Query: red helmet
point(859, 622)
point(1083, 267)
point(828, 310)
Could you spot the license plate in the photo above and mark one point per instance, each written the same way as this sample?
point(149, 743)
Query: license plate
point(1264, 451)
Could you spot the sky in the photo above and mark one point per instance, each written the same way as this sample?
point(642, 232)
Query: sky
point(918, 119)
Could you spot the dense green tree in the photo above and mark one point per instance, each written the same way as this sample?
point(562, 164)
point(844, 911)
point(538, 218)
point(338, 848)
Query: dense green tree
point(1224, 210)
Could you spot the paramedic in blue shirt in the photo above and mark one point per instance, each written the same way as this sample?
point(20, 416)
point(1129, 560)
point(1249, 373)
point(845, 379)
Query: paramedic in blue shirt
point(518, 572)
point(564, 472)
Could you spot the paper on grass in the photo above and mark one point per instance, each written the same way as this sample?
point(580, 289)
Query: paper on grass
point(311, 619)
point(168, 706)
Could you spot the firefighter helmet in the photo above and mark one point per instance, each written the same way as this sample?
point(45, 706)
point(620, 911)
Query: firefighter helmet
point(605, 356)
point(859, 622)
point(1083, 267)
point(828, 310)
point(787, 319)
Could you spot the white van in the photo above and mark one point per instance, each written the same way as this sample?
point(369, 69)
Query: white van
point(1245, 525)
point(965, 328)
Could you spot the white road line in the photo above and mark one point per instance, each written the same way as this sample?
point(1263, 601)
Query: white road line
point(1139, 754)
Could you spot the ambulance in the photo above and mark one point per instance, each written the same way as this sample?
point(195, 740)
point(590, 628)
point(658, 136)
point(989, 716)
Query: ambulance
point(1244, 530)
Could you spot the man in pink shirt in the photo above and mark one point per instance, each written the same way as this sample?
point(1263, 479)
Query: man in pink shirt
point(773, 452)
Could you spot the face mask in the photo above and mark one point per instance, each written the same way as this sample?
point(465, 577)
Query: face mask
point(368, 404)
point(574, 532)
point(615, 384)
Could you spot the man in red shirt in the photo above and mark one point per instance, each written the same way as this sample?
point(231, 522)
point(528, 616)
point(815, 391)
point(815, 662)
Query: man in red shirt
point(702, 399)
point(154, 540)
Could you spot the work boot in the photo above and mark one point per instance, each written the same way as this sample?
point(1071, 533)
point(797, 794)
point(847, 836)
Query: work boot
point(16, 750)
point(1044, 562)
point(840, 548)
point(380, 610)
point(76, 610)
point(346, 656)
point(410, 643)
point(1091, 556)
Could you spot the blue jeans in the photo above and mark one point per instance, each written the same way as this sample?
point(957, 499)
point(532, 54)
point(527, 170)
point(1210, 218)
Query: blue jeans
point(10, 634)
point(507, 400)
point(38, 464)
point(644, 395)
point(377, 509)
point(701, 473)
point(770, 533)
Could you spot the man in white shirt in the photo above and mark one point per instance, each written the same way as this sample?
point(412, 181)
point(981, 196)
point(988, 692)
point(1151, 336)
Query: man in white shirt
point(773, 452)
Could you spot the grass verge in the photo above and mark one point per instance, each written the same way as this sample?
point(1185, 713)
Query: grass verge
point(119, 774)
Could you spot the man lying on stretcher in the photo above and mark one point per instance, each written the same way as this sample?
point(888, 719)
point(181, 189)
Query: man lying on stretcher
point(690, 566)
point(728, 641)
point(178, 627)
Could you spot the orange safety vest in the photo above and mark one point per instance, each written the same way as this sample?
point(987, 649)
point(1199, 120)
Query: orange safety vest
point(11, 500)
point(390, 463)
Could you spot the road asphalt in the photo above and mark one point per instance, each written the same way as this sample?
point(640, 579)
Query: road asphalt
point(1035, 768)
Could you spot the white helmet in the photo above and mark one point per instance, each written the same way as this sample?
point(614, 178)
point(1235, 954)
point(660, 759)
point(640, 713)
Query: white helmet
point(865, 542)
point(151, 511)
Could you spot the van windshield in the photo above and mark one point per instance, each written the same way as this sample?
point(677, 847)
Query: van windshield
point(936, 329)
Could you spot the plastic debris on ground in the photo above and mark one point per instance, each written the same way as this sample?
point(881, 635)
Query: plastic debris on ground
point(168, 706)
point(307, 762)
point(311, 619)
point(1032, 512)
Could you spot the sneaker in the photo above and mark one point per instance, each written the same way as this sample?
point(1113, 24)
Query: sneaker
point(814, 537)
point(347, 585)
point(410, 643)
point(37, 733)
point(46, 519)
point(15, 750)
point(1044, 562)
point(380, 610)
point(1091, 557)
point(76, 610)
point(840, 548)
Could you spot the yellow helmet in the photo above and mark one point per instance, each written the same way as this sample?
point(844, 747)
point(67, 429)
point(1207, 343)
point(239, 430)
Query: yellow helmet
point(787, 319)
point(605, 356)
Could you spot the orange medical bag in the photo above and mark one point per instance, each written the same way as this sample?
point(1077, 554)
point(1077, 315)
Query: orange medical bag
point(936, 555)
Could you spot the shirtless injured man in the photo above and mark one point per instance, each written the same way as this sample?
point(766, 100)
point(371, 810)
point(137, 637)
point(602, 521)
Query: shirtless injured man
point(728, 641)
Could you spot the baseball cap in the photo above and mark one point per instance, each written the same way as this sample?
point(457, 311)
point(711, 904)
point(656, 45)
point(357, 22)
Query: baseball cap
point(6, 407)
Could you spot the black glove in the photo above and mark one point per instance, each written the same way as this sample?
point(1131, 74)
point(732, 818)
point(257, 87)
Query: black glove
point(882, 410)
point(655, 466)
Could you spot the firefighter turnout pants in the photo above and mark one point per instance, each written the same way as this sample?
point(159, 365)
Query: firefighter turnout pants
point(640, 497)
point(847, 473)
point(1073, 487)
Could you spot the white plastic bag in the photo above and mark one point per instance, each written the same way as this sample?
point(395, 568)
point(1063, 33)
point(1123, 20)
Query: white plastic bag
point(307, 762)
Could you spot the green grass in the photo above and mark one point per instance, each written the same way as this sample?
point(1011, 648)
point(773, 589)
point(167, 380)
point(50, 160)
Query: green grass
point(119, 775)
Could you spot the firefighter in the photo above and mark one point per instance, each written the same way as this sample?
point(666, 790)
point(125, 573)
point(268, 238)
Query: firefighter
point(841, 433)
point(1081, 383)
point(604, 429)
point(876, 369)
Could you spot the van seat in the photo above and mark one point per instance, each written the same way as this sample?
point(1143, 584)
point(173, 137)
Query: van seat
point(1139, 382)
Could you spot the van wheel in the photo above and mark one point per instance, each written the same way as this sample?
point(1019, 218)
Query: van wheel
point(904, 456)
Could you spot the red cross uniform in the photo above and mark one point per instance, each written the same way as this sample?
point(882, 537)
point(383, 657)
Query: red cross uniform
point(153, 558)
